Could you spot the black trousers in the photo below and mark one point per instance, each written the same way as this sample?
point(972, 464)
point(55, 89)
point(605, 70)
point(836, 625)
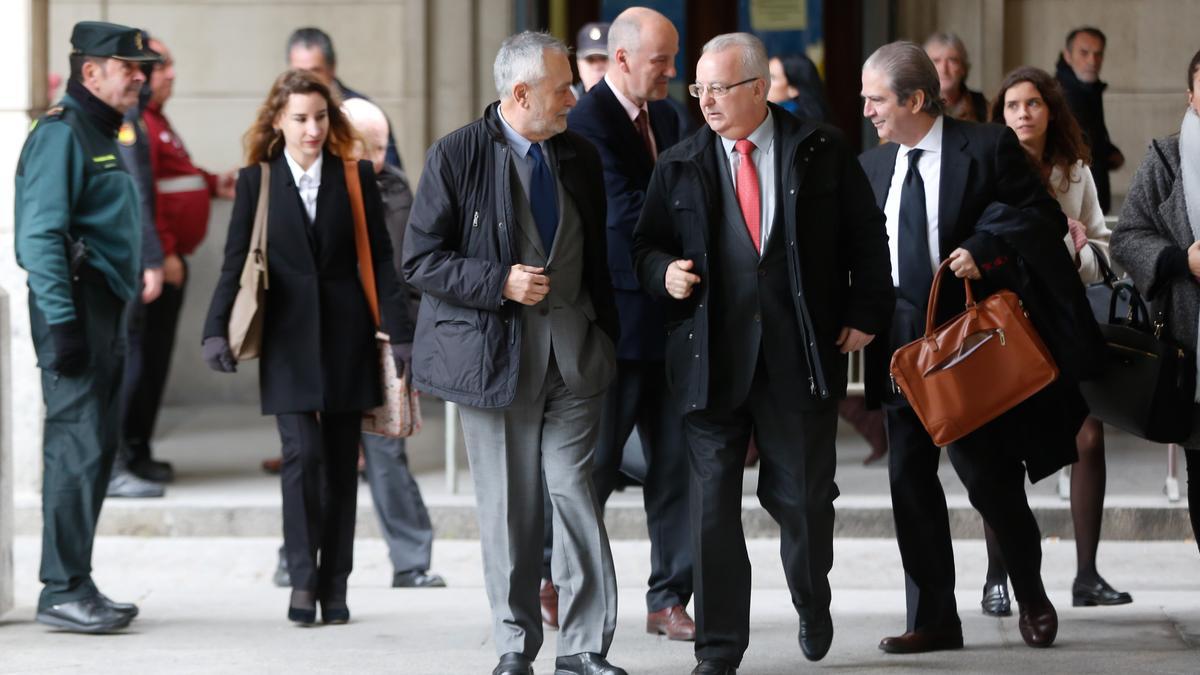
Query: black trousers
point(320, 494)
point(795, 485)
point(995, 485)
point(152, 330)
point(1192, 458)
point(638, 399)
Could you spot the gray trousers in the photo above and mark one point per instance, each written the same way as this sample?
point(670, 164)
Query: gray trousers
point(553, 432)
point(403, 518)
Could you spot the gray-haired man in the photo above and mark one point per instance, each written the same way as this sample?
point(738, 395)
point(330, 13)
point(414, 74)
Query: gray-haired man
point(506, 242)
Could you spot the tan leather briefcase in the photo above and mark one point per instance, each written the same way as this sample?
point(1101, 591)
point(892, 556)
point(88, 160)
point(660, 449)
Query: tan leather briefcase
point(973, 368)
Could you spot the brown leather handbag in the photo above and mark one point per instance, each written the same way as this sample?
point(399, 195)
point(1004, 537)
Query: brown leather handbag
point(973, 368)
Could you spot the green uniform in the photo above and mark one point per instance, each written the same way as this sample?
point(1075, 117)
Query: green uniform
point(70, 184)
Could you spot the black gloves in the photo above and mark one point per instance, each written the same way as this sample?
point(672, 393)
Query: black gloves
point(218, 355)
point(402, 355)
point(70, 348)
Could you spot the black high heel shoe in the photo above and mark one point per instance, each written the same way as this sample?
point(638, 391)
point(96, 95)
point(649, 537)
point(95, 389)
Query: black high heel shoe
point(335, 612)
point(1098, 593)
point(995, 600)
point(302, 608)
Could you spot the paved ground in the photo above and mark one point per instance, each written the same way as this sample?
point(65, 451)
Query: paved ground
point(208, 606)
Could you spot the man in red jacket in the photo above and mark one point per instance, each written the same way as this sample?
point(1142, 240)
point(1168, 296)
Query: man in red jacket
point(182, 194)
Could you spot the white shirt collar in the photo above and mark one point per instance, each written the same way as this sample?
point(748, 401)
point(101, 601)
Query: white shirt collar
point(762, 137)
point(313, 173)
point(630, 109)
point(932, 142)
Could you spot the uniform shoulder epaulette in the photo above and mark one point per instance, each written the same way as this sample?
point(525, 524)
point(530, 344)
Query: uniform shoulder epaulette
point(51, 115)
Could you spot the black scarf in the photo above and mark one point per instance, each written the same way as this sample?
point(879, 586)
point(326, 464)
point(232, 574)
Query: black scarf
point(103, 115)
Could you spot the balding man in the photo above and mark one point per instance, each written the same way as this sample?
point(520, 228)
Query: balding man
point(517, 325)
point(403, 518)
point(626, 117)
point(760, 236)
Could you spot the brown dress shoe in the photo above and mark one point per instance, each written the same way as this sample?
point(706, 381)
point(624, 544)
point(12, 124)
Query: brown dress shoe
point(673, 622)
point(925, 640)
point(548, 595)
point(1038, 623)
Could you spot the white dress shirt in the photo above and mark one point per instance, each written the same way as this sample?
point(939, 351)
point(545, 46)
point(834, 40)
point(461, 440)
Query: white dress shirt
point(632, 110)
point(308, 183)
point(763, 155)
point(930, 167)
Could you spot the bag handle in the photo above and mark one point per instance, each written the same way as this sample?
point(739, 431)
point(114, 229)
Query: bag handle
point(256, 259)
point(931, 306)
point(362, 243)
point(1106, 270)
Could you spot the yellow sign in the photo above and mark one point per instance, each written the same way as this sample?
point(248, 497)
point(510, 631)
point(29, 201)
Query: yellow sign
point(127, 136)
point(770, 15)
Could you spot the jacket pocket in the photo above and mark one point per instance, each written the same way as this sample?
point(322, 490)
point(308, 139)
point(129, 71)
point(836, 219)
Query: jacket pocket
point(680, 355)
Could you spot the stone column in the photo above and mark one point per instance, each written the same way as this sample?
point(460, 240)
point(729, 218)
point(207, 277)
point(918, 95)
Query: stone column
point(23, 48)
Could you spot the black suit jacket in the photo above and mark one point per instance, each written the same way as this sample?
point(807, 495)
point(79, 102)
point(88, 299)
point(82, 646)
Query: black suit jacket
point(599, 118)
point(981, 164)
point(319, 351)
point(836, 250)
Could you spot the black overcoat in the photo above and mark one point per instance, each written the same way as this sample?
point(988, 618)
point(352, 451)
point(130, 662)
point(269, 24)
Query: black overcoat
point(319, 352)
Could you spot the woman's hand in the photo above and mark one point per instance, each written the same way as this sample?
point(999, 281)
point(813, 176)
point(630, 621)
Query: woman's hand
point(1078, 233)
point(218, 356)
point(963, 264)
point(1193, 253)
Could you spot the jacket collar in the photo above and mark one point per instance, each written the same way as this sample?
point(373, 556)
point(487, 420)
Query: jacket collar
point(102, 115)
point(1066, 75)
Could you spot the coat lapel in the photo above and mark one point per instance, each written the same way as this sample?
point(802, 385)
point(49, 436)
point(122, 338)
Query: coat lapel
point(881, 173)
point(956, 165)
point(617, 119)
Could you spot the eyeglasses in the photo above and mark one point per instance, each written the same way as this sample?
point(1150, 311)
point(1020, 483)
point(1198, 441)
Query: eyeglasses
point(717, 90)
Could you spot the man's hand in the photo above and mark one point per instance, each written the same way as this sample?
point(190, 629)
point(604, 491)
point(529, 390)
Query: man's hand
point(526, 285)
point(1078, 233)
point(227, 184)
point(1193, 253)
point(152, 281)
point(963, 265)
point(853, 339)
point(679, 279)
point(173, 271)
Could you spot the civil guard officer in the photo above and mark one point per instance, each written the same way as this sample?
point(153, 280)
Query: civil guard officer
point(78, 235)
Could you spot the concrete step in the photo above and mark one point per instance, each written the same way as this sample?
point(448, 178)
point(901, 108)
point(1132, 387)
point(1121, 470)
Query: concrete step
point(454, 517)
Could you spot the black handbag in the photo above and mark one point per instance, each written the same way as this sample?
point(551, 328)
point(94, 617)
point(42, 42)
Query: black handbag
point(1100, 294)
point(1148, 384)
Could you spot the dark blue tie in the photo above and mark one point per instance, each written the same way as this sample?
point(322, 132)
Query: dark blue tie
point(916, 270)
point(543, 198)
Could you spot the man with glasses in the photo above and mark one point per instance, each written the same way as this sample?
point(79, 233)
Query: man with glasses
point(760, 234)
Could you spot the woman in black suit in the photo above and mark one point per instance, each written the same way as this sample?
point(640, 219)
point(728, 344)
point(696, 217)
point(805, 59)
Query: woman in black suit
point(319, 366)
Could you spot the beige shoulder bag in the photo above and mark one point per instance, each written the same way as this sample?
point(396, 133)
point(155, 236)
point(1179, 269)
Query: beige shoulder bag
point(245, 321)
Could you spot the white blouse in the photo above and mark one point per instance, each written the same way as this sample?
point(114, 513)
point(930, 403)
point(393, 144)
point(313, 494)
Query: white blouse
point(1080, 202)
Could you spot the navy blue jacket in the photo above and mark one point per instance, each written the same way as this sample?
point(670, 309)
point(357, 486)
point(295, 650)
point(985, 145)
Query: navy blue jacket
point(599, 118)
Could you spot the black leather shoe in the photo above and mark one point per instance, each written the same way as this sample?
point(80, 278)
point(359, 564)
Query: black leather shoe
point(585, 663)
point(1099, 593)
point(152, 470)
point(122, 607)
point(514, 663)
point(995, 600)
point(417, 579)
point(89, 615)
point(714, 667)
point(816, 633)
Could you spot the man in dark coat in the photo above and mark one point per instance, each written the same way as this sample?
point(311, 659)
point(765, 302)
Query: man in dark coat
point(626, 117)
point(760, 236)
point(1078, 71)
point(934, 179)
point(517, 325)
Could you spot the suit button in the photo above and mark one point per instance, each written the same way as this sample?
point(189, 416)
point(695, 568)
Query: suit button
point(543, 310)
point(757, 317)
point(762, 272)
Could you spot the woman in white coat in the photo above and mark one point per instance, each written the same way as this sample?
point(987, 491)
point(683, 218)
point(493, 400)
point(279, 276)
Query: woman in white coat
point(1032, 105)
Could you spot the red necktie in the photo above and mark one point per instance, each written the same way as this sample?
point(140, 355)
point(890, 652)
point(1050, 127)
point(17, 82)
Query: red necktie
point(642, 122)
point(747, 192)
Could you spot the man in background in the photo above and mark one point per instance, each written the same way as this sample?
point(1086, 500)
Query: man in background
point(591, 56)
point(1078, 71)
